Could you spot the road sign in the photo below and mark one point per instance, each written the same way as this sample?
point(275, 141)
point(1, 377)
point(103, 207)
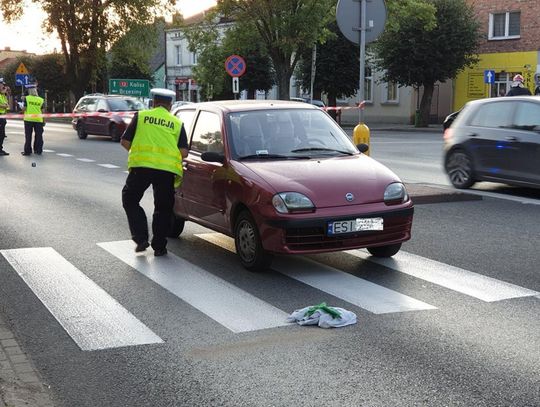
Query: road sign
point(235, 65)
point(129, 87)
point(21, 69)
point(348, 15)
point(22, 79)
point(235, 85)
point(489, 76)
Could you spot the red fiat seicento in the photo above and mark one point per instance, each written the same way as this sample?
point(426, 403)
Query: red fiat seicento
point(283, 178)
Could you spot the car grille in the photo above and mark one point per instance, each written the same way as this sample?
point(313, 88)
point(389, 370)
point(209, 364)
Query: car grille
point(315, 238)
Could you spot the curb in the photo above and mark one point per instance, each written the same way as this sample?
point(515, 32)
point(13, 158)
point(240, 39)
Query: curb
point(422, 194)
point(20, 383)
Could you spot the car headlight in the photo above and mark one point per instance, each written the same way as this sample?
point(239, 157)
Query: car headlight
point(395, 194)
point(126, 120)
point(286, 202)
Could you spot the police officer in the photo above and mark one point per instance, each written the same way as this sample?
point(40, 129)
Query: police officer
point(4, 105)
point(518, 88)
point(33, 104)
point(157, 142)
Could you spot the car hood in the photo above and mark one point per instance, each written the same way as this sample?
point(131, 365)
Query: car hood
point(326, 181)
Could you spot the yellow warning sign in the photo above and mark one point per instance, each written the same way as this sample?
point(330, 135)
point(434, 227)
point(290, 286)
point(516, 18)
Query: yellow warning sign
point(22, 69)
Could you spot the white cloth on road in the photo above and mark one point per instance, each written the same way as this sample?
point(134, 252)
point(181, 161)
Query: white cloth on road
point(324, 316)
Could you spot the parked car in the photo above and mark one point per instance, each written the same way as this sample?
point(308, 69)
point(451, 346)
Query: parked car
point(497, 140)
point(112, 123)
point(283, 178)
point(315, 102)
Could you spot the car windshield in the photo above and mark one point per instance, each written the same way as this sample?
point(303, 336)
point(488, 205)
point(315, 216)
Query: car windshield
point(125, 105)
point(287, 133)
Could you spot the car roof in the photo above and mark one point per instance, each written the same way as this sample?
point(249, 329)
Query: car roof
point(535, 99)
point(243, 105)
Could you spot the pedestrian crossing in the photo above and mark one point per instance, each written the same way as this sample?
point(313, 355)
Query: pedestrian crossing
point(96, 321)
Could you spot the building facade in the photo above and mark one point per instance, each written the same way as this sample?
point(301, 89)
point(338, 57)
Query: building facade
point(511, 46)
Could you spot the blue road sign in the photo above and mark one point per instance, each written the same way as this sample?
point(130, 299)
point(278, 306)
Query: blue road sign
point(235, 65)
point(22, 79)
point(489, 76)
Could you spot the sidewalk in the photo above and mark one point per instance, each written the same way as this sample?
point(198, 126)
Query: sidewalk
point(20, 382)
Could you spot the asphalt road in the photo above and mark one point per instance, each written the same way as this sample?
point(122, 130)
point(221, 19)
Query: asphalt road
point(451, 321)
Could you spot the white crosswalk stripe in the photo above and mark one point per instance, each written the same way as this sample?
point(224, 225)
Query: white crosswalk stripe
point(232, 307)
point(357, 291)
point(92, 318)
point(466, 282)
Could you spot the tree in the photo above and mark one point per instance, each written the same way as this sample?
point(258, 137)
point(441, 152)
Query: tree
point(337, 67)
point(426, 41)
point(86, 28)
point(285, 28)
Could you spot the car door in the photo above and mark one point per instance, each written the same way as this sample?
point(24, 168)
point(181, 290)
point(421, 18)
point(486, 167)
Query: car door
point(90, 106)
point(102, 121)
point(492, 152)
point(203, 187)
point(526, 137)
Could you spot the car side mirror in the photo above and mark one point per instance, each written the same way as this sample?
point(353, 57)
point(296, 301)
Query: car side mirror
point(213, 157)
point(362, 147)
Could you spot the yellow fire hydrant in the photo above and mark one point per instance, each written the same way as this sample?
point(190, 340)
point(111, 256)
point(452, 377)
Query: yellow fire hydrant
point(361, 135)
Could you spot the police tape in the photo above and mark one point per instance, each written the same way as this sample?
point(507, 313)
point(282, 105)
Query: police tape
point(127, 113)
point(49, 115)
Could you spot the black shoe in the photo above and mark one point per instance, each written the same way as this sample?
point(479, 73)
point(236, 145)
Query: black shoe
point(160, 252)
point(35, 152)
point(24, 153)
point(141, 247)
point(2, 152)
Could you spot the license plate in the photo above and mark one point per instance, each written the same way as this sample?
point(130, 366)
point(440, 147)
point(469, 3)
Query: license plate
point(354, 225)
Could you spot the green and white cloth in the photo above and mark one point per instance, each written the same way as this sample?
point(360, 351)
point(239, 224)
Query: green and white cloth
point(323, 315)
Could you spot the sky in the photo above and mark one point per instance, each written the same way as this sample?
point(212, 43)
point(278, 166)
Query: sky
point(27, 34)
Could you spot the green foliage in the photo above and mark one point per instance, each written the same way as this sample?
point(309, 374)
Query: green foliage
point(284, 27)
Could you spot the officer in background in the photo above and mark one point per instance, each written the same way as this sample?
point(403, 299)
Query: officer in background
point(157, 142)
point(4, 105)
point(518, 88)
point(33, 104)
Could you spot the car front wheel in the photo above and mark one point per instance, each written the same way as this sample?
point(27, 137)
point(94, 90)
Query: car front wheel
point(384, 251)
point(248, 244)
point(81, 133)
point(459, 168)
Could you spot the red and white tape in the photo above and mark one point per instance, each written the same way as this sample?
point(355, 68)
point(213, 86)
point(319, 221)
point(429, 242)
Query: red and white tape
point(48, 115)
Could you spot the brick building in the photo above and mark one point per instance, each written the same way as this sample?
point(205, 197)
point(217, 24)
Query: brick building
point(511, 45)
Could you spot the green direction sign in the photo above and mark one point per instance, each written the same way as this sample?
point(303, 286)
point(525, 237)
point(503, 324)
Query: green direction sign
point(129, 87)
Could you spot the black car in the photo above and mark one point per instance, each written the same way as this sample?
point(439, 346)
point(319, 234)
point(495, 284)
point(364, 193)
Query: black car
point(495, 140)
point(113, 120)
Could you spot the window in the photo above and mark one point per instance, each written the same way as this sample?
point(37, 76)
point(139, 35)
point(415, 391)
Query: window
point(193, 58)
point(527, 116)
point(390, 93)
point(207, 134)
point(368, 85)
point(493, 115)
point(187, 117)
point(504, 25)
point(178, 55)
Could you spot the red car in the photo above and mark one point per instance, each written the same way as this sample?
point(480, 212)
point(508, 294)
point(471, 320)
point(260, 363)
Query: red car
point(283, 178)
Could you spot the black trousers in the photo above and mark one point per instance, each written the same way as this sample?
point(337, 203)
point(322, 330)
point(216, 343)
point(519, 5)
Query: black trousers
point(2, 133)
point(37, 127)
point(137, 182)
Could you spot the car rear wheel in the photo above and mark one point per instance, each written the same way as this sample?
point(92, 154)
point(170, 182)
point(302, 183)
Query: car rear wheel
point(384, 251)
point(177, 227)
point(115, 133)
point(459, 168)
point(81, 133)
point(248, 244)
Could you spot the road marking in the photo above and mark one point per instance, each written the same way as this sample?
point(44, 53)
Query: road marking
point(225, 303)
point(108, 166)
point(86, 160)
point(49, 151)
point(64, 155)
point(355, 290)
point(92, 318)
point(454, 278)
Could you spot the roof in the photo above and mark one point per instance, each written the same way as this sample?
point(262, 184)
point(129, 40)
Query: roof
point(242, 105)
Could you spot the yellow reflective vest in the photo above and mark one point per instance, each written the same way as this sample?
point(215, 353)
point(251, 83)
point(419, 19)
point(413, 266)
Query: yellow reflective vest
point(33, 106)
point(3, 101)
point(155, 144)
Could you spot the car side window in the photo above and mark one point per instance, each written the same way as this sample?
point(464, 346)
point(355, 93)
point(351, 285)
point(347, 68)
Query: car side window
point(207, 133)
point(87, 105)
point(497, 114)
point(527, 116)
point(187, 117)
